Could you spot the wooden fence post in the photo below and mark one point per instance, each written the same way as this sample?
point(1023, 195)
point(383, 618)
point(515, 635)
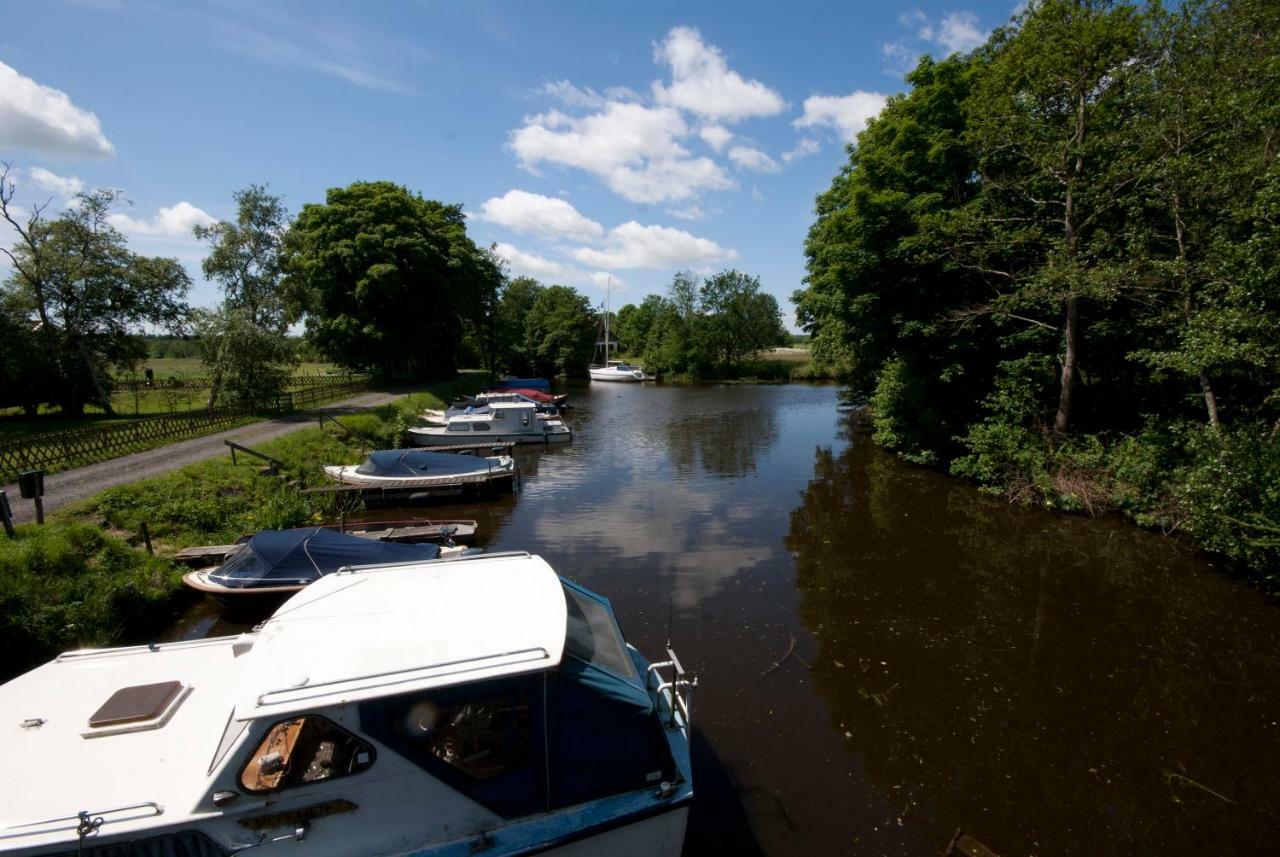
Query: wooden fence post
point(6, 514)
point(146, 537)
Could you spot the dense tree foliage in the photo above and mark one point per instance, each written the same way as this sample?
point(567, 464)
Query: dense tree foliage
point(83, 296)
point(387, 280)
point(1053, 265)
point(702, 327)
point(559, 332)
point(243, 342)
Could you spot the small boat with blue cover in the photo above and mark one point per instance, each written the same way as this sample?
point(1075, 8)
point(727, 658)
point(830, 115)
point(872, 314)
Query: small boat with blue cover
point(281, 562)
point(417, 469)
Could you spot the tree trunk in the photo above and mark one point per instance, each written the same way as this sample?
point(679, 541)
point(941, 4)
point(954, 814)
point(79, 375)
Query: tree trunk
point(103, 399)
point(1210, 400)
point(1063, 418)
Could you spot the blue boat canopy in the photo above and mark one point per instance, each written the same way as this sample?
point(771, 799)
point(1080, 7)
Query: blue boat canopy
point(414, 462)
point(529, 383)
point(290, 557)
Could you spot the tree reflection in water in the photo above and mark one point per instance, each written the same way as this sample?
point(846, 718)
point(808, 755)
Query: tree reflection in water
point(1053, 685)
point(725, 442)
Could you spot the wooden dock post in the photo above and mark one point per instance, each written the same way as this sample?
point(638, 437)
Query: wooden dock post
point(6, 514)
point(146, 537)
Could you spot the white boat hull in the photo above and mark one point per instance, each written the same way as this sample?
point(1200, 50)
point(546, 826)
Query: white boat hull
point(503, 468)
point(441, 436)
point(624, 376)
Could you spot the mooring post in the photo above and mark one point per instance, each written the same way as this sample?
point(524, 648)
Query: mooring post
point(146, 537)
point(39, 510)
point(6, 514)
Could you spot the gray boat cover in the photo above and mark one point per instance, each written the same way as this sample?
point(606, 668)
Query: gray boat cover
point(416, 462)
point(288, 557)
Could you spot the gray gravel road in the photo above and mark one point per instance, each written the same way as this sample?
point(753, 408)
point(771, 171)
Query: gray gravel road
point(72, 485)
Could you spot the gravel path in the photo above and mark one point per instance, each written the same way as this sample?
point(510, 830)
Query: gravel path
point(83, 482)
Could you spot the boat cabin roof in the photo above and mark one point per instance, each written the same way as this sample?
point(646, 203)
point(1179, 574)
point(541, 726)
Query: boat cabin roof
point(354, 636)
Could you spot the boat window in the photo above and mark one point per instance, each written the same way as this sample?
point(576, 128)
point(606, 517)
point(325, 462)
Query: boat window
point(304, 750)
point(484, 739)
point(481, 426)
point(499, 415)
point(457, 426)
point(593, 636)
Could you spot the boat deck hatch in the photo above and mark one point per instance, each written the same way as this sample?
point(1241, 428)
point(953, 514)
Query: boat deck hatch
point(135, 704)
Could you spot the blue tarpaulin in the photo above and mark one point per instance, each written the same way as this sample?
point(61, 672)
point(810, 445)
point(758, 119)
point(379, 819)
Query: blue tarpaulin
point(416, 462)
point(285, 557)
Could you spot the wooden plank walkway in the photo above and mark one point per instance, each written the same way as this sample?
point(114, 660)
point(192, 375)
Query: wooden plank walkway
point(458, 531)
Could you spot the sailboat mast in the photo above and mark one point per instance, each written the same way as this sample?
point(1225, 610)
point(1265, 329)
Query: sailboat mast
point(608, 293)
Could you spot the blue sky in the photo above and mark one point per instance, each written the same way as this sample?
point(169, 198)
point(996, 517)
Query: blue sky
point(588, 141)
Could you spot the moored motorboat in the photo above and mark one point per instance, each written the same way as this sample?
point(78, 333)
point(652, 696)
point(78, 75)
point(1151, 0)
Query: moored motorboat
point(277, 563)
point(540, 397)
point(403, 469)
point(500, 422)
point(482, 705)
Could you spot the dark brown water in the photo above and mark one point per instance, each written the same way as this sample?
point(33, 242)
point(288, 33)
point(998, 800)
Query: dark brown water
point(1052, 685)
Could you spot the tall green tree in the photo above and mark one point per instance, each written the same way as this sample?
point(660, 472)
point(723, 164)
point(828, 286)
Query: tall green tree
point(385, 279)
point(244, 342)
point(738, 319)
point(559, 332)
point(514, 308)
point(1052, 118)
point(86, 293)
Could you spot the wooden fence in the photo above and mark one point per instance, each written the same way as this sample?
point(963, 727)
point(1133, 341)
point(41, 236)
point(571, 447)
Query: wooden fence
point(205, 382)
point(61, 450)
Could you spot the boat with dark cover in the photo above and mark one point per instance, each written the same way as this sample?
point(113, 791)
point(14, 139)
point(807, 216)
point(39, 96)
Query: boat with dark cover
point(416, 468)
point(280, 562)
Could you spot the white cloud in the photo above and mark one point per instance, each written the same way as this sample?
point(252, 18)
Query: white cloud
point(174, 221)
point(633, 245)
point(715, 136)
point(688, 212)
point(898, 57)
point(42, 119)
point(633, 149)
point(703, 83)
point(959, 32)
point(605, 280)
point(532, 213)
point(584, 96)
point(847, 114)
point(531, 264)
point(64, 186)
point(806, 147)
point(753, 159)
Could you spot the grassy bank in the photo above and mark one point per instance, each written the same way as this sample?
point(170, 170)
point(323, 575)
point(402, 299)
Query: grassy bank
point(70, 585)
point(73, 583)
point(779, 366)
point(216, 501)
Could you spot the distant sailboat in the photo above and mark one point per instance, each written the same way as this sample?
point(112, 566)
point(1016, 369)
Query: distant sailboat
point(612, 370)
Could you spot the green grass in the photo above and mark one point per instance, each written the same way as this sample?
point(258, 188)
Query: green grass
point(215, 501)
point(179, 367)
point(69, 585)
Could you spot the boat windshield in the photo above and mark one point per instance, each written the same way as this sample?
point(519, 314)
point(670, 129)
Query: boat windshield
point(592, 635)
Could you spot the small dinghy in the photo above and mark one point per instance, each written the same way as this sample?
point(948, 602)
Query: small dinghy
point(281, 562)
point(443, 708)
point(416, 468)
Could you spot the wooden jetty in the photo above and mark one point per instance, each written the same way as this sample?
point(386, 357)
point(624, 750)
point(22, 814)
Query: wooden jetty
point(462, 531)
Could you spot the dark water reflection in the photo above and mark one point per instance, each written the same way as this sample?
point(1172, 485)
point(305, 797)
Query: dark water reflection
point(1053, 685)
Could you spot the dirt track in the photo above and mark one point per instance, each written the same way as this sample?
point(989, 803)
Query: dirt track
point(83, 482)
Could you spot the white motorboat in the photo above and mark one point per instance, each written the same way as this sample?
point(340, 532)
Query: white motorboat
point(499, 422)
point(401, 469)
point(442, 708)
point(616, 370)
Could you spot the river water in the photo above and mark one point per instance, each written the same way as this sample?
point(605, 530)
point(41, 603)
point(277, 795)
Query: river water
point(886, 655)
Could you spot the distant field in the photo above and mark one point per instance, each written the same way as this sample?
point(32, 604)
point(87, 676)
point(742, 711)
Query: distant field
point(180, 367)
point(790, 355)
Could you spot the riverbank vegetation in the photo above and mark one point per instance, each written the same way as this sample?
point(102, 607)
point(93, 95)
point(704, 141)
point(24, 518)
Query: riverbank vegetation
point(71, 585)
point(1052, 267)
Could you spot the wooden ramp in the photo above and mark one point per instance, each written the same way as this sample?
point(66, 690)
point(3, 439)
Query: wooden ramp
point(426, 531)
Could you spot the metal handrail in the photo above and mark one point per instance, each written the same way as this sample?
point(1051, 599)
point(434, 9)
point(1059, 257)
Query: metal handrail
point(681, 686)
point(94, 818)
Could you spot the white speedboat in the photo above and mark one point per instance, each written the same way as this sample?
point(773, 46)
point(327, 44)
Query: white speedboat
point(442, 709)
point(401, 469)
point(499, 422)
point(616, 370)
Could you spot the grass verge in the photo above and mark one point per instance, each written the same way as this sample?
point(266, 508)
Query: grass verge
point(74, 583)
